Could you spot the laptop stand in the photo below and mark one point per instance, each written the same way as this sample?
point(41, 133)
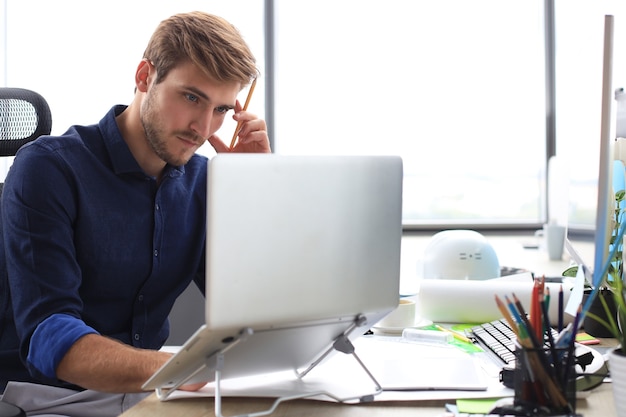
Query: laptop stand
point(342, 344)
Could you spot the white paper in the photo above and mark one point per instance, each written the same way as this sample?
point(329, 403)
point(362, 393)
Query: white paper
point(460, 301)
point(576, 295)
point(341, 377)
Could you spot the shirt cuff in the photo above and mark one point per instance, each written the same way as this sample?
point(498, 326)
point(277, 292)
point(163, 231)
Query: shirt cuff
point(52, 339)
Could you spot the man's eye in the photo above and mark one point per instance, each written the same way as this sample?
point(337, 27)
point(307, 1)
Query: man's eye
point(222, 109)
point(192, 98)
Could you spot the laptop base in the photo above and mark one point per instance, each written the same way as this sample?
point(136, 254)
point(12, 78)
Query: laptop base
point(341, 344)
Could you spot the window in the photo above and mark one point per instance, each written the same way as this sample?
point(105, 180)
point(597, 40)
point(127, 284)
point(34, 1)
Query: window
point(455, 87)
point(579, 55)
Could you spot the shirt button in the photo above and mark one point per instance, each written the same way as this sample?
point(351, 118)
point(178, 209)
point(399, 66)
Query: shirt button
point(140, 298)
point(157, 207)
point(136, 336)
point(156, 253)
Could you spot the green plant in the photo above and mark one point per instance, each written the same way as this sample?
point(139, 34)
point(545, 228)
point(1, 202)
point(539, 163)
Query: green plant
point(613, 280)
point(614, 324)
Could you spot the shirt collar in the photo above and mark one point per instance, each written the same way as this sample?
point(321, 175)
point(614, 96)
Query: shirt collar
point(122, 159)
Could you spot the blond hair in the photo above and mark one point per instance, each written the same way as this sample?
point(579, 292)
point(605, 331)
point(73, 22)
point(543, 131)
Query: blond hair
point(210, 42)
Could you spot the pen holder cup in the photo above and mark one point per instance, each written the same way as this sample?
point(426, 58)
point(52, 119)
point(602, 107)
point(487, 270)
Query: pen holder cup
point(545, 381)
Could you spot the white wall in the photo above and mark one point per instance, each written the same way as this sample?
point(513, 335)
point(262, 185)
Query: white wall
point(81, 55)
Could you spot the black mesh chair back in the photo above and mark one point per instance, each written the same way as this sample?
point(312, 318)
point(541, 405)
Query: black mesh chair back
point(24, 116)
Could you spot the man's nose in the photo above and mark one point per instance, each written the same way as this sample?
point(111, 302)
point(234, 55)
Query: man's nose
point(201, 125)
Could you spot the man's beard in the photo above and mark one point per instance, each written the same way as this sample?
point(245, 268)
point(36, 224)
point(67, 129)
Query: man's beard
point(155, 136)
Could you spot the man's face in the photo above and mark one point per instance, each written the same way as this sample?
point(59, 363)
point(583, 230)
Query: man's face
point(180, 113)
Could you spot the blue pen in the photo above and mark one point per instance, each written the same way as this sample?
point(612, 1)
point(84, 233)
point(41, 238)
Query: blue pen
point(514, 311)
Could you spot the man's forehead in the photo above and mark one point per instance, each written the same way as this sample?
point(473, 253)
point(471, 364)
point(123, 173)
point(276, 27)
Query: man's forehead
point(192, 78)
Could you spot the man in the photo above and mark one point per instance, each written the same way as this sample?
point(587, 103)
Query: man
point(104, 226)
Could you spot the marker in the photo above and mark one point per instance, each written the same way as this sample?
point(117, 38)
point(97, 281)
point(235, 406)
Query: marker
point(432, 336)
point(456, 335)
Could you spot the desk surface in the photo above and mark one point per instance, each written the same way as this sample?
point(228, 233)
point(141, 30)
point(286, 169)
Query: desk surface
point(598, 404)
point(510, 252)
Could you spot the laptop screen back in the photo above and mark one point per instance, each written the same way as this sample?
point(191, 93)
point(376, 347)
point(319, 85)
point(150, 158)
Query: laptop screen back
point(300, 250)
point(299, 238)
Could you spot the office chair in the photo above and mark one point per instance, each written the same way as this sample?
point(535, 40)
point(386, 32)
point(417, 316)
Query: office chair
point(24, 116)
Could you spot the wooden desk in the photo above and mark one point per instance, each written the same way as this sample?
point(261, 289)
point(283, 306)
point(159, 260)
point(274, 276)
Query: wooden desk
point(598, 404)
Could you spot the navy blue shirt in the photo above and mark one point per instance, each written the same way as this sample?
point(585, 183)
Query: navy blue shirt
point(93, 245)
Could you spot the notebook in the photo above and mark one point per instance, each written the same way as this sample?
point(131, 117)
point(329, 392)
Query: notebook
point(297, 248)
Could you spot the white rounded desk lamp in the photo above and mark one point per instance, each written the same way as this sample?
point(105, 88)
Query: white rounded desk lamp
point(461, 255)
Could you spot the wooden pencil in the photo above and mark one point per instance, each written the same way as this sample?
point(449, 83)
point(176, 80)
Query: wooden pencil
point(245, 107)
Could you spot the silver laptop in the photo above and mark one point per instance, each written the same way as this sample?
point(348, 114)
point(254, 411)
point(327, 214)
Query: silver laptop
point(300, 250)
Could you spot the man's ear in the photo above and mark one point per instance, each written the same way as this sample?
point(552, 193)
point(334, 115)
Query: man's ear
point(143, 74)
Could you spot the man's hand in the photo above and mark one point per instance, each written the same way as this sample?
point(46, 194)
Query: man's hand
point(103, 364)
point(252, 137)
point(192, 387)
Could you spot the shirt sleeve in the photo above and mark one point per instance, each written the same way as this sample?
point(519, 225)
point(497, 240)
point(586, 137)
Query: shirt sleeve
point(51, 341)
point(43, 274)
